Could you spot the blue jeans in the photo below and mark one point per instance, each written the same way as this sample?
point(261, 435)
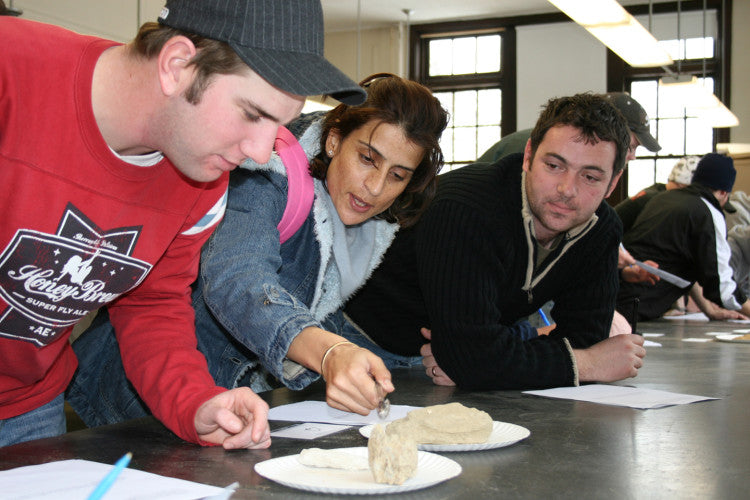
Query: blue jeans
point(46, 421)
point(100, 392)
point(339, 323)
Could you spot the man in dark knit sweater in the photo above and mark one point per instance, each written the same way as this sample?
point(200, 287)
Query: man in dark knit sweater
point(499, 241)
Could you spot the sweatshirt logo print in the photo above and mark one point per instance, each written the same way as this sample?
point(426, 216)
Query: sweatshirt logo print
point(50, 281)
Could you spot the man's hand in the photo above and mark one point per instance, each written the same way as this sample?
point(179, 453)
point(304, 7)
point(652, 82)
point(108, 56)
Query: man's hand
point(714, 311)
point(546, 330)
point(437, 375)
point(611, 359)
point(234, 419)
point(636, 274)
point(721, 314)
point(624, 258)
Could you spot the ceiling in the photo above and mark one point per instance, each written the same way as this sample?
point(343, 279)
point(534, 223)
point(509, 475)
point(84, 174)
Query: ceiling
point(341, 15)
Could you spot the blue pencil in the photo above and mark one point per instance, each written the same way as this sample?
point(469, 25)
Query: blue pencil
point(544, 317)
point(110, 478)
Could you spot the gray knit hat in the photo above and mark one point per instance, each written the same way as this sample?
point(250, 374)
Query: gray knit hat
point(682, 172)
point(281, 40)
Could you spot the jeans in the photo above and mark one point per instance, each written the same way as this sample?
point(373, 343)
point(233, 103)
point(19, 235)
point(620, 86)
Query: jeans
point(339, 323)
point(46, 421)
point(100, 392)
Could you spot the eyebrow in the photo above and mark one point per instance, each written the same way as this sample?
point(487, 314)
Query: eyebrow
point(372, 148)
point(585, 167)
point(257, 109)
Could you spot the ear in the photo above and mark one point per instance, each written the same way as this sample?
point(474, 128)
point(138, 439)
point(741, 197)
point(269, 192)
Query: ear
point(527, 154)
point(172, 65)
point(722, 196)
point(612, 184)
point(333, 141)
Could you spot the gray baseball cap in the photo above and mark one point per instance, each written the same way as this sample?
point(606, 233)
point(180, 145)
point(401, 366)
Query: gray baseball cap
point(636, 117)
point(281, 40)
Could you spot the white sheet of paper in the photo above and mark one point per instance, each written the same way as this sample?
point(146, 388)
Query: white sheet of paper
point(618, 395)
point(699, 316)
point(319, 411)
point(652, 334)
point(740, 321)
point(697, 339)
point(668, 277)
point(310, 430)
point(76, 479)
point(651, 343)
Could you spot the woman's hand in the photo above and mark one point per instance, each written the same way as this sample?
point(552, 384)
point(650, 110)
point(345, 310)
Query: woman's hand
point(351, 373)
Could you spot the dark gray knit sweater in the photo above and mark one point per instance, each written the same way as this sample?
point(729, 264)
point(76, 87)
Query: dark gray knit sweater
point(462, 271)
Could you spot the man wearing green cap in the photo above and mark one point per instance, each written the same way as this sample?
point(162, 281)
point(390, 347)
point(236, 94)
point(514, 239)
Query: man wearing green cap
point(115, 162)
point(636, 116)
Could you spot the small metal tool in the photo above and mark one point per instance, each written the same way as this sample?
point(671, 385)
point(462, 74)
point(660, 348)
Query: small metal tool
point(384, 406)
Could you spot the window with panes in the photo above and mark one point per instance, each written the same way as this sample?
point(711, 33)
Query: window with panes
point(469, 67)
point(679, 131)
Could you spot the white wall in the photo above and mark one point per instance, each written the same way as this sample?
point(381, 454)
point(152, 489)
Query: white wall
point(562, 58)
point(380, 50)
point(555, 60)
point(113, 19)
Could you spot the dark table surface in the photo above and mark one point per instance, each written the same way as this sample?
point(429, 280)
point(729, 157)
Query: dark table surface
point(575, 450)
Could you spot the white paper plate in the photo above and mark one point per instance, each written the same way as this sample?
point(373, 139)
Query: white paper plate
point(431, 469)
point(503, 434)
point(734, 338)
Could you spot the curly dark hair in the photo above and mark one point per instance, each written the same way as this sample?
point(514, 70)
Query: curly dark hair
point(592, 114)
point(410, 106)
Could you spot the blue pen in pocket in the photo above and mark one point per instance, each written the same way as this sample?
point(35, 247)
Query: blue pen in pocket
point(544, 317)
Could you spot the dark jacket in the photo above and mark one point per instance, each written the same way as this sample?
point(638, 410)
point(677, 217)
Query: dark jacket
point(463, 272)
point(628, 210)
point(685, 232)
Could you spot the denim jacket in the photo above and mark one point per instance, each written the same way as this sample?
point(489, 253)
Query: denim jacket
point(254, 295)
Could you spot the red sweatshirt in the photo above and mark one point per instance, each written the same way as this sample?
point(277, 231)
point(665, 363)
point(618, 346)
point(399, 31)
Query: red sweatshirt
point(80, 229)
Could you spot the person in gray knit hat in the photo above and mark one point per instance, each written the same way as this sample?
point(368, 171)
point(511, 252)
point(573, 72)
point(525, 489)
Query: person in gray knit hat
point(680, 176)
point(682, 172)
point(115, 160)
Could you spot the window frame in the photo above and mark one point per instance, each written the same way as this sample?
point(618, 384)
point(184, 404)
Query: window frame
point(620, 75)
point(505, 79)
